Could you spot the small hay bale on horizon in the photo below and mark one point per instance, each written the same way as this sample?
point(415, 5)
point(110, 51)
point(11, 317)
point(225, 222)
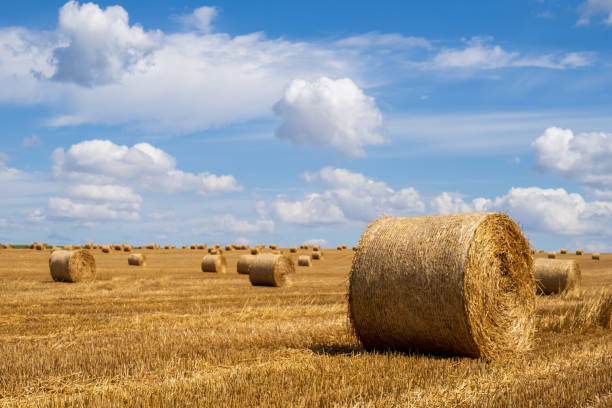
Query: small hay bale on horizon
point(579, 252)
point(595, 256)
point(255, 251)
point(304, 260)
point(316, 248)
point(271, 270)
point(551, 255)
point(478, 300)
point(293, 250)
point(214, 263)
point(127, 248)
point(316, 256)
point(273, 246)
point(89, 245)
point(72, 266)
point(105, 249)
point(563, 251)
point(556, 275)
point(137, 259)
point(339, 248)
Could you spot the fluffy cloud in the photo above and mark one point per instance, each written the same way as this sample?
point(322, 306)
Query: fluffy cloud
point(109, 193)
point(7, 173)
point(101, 45)
point(102, 162)
point(586, 157)
point(591, 8)
point(350, 197)
point(480, 54)
point(328, 112)
point(66, 208)
point(227, 223)
point(201, 19)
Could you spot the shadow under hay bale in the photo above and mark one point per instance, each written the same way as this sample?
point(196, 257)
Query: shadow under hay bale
point(556, 275)
point(459, 284)
point(271, 270)
point(214, 263)
point(72, 266)
point(137, 260)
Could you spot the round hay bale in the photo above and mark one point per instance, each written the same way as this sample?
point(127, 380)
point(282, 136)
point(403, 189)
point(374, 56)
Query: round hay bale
point(556, 275)
point(344, 246)
point(563, 251)
point(579, 252)
point(355, 248)
point(317, 256)
point(293, 249)
point(166, 246)
point(304, 260)
point(214, 263)
point(271, 270)
point(193, 246)
point(595, 255)
point(551, 255)
point(127, 248)
point(533, 251)
point(72, 266)
point(459, 284)
point(89, 245)
point(150, 246)
point(201, 246)
point(273, 246)
point(339, 247)
point(228, 248)
point(105, 249)
point(255, 251)
point(32, 245)
point(40, 247)
point(244, 264)
point(316, 248)
point(137, 260)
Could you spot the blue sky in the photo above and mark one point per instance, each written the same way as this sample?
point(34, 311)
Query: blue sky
point(181, 122)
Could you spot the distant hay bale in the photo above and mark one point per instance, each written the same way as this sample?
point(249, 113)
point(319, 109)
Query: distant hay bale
point(317, 255)
point(89, 245)
point(243, 266)
point(218, 246)
point(40, 247)
point(201, 246)
point(33, 245)
point(273, 246)
point(551, 255)
point(532, 251)
point(150, 246)
point(118, 247)
point(255, 251)
point(72, 266)
point(192, 246)
point(563, 251)
point(137, 260)
point(595, 255)
point(355, 248)
point(344, 246)
point(228, 248)
point(339, 248)
point(316, 248)
point(293, 249)
point(556, 275)
point(166, 246)
point(579, 252)
point(271, 270)
point(304, 260)
point(214, 263)
point(77, 247)
point(127, 248)
point(459, 284)
point(105, 249)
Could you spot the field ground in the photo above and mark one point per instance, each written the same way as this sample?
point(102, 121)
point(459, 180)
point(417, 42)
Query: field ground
point(170, 335)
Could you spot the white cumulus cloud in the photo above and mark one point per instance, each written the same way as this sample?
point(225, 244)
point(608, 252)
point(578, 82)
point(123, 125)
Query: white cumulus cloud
point(66, 208)
point(201, 18)
point(591, 8)
point(332, 113)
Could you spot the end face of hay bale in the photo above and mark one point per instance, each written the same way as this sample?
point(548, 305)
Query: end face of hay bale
point(556, 275)
point(243, 266)
point(551, 255)
point(271, 270)
point(214, 263)
point(477, 300)
point(595, 255)
point(304, 260)
point(72, 266)
point(137, 260)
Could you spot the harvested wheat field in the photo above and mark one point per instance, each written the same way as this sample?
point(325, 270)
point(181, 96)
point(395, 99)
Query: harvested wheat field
point(170, 335)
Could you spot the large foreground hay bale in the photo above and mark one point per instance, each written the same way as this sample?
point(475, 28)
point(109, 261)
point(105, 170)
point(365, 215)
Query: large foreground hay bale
point(214, 263)
point(304, 260)
point(72, 266)
point(137, 260)
point(556, 275)
point(243, 266)
point(459, 284)
point(271, 270)
point(551, 255)
point(595, 255)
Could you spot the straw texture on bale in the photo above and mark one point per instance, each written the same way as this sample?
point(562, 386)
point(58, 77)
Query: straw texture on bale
point(244, 264)
point(137, 260)
point(459, 284)
point(595, 255)
point(271, 270)
point(579, 252)
point(317, 255)
point(556, 275)
point(304, 260)
point(214, 263)
point(255, 251)
point(551, 255)
point(293, 249)
point(563, 251)
point(72, 266)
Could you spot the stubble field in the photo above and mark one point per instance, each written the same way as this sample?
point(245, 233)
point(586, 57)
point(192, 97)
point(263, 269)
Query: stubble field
point(170, 335)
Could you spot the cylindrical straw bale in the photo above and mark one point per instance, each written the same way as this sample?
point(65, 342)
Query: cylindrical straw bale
point(228, 247)
point(41, 247)
point(271, 270)
point(33, 245)
point(556, 275)
point(317, 255)
point(127, 248)
point(355, 248)
point(339, 247)
point(579, 252)
point(595, 255)
point(293, 249)
point(304, 260)
point(118, 247)
point(255, 251)
point(273, 246)
point(459, 284)
point(72, 266)
point(344, 246)
point(214, 263)
point(244, 264)
point(202, 246)
point(193, 246)
point(89, 245)
point(551, 255)
point(105, 249)
point(166, 246)
point(151, 246)
point(563, 251)
point(137, 260)
point(316, 248)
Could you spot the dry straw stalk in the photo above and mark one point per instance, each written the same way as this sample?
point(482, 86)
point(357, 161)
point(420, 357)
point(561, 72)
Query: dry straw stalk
point(271, 270)
point(556, 275)
point(460, 284)
point(214, 263)
point(72, 266)
point(304, 260)
point(137, 260)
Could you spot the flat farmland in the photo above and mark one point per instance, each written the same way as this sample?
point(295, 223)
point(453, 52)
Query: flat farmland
point(168, 334)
